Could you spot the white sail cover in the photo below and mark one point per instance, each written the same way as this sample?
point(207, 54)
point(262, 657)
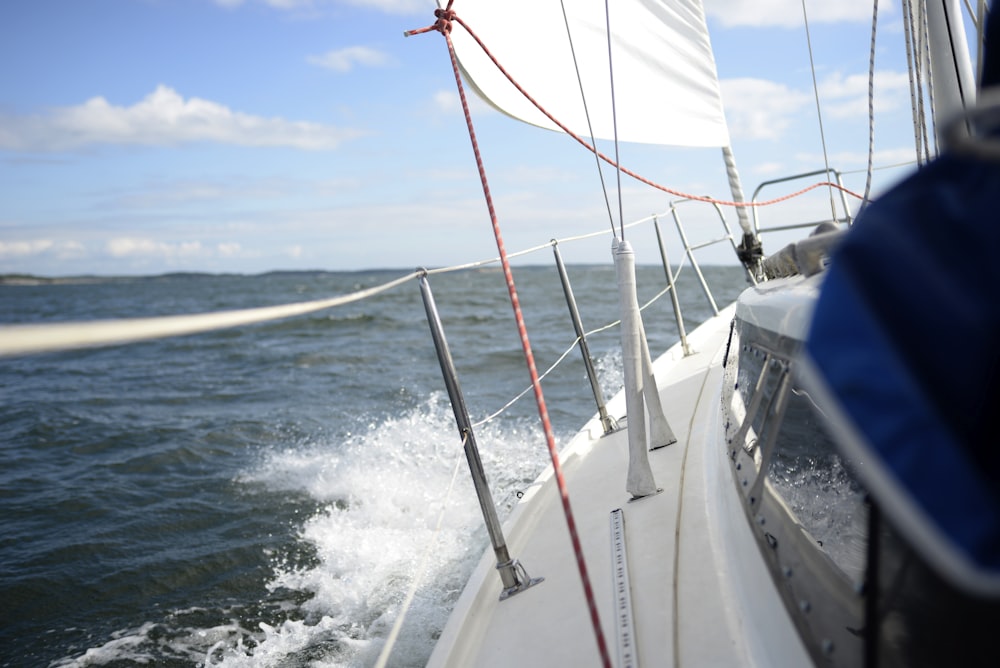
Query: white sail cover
point(666, 87)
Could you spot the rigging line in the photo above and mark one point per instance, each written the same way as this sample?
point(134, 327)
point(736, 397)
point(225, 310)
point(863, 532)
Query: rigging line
point(493, 416)
point(819, 113)
point(914, 66)
point(614, 118)
point(444, 25)
point(548, 244)
point(610, 161)
point(586, 113)
point(871, 108)
point(908, 40)
point(51, 337)
point(895, 165)
point(520, 395)
point(926, 41)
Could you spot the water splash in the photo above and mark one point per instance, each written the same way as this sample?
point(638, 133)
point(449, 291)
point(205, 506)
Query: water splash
point(382, 491)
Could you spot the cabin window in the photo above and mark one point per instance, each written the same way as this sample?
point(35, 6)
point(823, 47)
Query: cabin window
point(779, 429)
point(807, 472)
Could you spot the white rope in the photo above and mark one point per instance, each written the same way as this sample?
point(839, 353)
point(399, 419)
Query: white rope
point(53, 337)
point(50, 337)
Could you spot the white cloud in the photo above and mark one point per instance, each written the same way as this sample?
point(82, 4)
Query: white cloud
point(847, 96)
point(788, 13)
point(397, 6)
point(182, 192)
point(386, 6)
point(162, 118)
point(278, 4)
point(31, 248)
point(230, 249)
point(25, 248)
point(123, 247)
point(760, 109)
point(344, 60)
point(289, 4)
point(447, 101)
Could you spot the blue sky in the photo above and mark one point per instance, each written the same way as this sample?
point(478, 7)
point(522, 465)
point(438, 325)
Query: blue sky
point(146, 136)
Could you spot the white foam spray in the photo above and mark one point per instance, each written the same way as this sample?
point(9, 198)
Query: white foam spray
point(383, 491)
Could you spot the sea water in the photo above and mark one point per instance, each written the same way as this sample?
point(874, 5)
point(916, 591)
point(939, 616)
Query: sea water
point(267, 495)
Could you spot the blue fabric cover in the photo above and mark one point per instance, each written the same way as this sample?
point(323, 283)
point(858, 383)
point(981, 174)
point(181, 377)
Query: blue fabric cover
point(906, 333)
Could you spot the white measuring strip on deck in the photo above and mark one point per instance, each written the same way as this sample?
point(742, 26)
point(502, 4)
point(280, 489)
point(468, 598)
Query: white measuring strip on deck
point(624, 626)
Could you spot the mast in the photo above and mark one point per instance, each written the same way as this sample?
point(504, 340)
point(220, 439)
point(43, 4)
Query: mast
point(951, 67)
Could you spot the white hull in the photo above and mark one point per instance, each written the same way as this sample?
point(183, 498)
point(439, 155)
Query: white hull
point(701, 594)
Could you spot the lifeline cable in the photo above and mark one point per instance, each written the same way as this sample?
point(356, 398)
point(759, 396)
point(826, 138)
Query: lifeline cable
point(443, 25)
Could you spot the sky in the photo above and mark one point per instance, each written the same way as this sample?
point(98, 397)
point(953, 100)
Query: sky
point(152, 136)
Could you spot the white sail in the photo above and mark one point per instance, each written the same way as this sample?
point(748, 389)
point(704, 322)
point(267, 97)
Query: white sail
point(665, 80)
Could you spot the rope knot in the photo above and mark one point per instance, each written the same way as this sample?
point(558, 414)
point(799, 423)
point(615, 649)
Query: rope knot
point(442, 25)
point(444, 19)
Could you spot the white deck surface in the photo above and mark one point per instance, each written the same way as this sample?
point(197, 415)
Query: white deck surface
point(693, 566)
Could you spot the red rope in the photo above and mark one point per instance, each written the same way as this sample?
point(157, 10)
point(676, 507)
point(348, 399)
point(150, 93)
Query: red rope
point(699, 198)
point(443, 25)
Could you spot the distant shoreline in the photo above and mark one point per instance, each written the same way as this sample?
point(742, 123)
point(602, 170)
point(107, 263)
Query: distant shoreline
point(34, 280)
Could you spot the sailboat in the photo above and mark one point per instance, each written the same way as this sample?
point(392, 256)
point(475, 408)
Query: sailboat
point(782, 487)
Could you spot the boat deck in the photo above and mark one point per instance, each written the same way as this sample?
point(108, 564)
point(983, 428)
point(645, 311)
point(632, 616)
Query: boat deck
point(689, 585)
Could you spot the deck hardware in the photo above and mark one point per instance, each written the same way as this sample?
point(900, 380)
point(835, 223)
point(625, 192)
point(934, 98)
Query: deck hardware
point(690, 248)
point(524, 581)
point(510, 575)
point(607, 422)
point(673, 289)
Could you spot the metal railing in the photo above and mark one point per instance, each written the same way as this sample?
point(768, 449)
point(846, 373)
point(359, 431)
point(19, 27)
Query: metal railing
point(846, 218)
point(690, 248)
point(513, 576)
point(16, 340)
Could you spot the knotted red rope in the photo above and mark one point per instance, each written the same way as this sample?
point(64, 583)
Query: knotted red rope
point(445, 17)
